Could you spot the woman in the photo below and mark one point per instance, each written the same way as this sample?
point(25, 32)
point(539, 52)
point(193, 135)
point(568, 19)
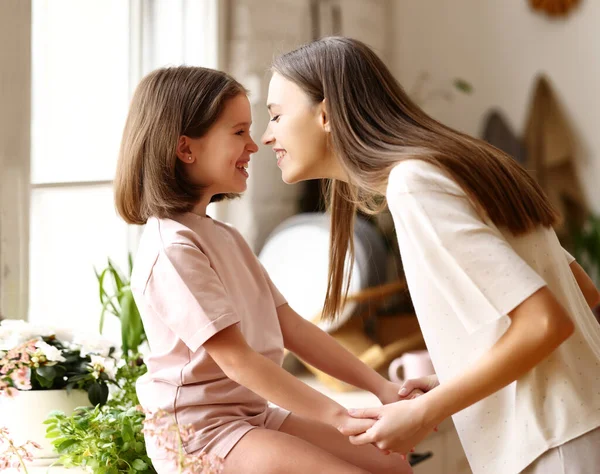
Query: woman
point(505, 311)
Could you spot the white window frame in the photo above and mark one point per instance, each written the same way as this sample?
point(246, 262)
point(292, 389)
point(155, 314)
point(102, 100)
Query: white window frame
point(15, 133)
point(15, 125)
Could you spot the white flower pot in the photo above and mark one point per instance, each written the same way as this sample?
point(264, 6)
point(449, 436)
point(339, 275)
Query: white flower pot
point(25, 413)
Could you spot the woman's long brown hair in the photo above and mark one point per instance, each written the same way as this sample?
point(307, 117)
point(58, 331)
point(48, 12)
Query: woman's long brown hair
point(374, 126)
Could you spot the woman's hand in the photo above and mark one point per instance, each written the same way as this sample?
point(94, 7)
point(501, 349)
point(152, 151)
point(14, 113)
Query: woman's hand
point(397, 427)
point(414, 387)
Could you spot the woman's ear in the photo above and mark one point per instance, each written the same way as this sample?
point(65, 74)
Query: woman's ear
point(184, 151)
point(324, 116)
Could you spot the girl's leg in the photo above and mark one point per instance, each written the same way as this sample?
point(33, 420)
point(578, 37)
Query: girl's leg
point(263, 451)
point(331, 440)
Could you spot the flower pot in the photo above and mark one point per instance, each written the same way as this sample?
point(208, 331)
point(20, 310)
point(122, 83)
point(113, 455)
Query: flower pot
point(24, 415)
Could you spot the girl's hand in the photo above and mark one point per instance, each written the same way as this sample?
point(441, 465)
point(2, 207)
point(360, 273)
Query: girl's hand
point(414, 387)
point(398, 426)
point(352, 426)
point(388, 392)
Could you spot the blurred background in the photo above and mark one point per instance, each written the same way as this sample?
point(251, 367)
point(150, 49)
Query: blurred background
point(524, 78)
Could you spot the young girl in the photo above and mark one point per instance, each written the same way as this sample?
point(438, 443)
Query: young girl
point(504, 310)
point(216, 324)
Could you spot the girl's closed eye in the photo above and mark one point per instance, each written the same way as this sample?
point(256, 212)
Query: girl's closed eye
point(240, 132)
point(275, 118)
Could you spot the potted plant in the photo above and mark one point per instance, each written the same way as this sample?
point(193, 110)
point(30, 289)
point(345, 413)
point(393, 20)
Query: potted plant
point(118, 301)
point(43, 369)
point(586, 249)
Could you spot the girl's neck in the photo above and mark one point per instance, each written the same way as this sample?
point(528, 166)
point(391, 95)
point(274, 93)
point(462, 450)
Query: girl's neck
point(200, 207)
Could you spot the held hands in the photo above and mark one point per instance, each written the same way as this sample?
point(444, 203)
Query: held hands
point(415, 387)
point(391, 392)
point(398, 425)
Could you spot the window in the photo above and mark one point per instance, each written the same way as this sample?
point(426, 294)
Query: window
point(87, 58)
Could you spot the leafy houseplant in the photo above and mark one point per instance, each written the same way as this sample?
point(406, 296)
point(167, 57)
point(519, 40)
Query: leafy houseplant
point(586, 246)
point(110, 438)
point(103, 439)
point(121, 304)
point(34, 358)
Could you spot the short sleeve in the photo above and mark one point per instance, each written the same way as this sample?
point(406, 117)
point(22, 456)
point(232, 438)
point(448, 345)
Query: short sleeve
point(188, 296)
point(468, 261)
point(570, 258)
point(278, 298)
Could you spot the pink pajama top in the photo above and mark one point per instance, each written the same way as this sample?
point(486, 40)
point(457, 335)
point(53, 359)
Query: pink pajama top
point(194, 276)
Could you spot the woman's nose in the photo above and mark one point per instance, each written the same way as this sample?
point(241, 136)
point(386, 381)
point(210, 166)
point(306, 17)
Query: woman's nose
point(267, 137)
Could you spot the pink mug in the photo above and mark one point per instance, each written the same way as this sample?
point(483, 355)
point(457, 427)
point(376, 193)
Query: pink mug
point(414, 365)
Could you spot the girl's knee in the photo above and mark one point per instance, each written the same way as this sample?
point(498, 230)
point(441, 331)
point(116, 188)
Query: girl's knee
point(392, 464)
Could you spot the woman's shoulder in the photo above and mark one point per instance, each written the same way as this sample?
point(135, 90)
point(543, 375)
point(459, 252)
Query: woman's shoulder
point(417, 175)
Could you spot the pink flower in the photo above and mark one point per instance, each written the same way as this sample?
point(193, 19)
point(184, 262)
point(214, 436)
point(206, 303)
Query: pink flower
point(21, 378)
point(13, 456)
point(170, 437)
point(6, 390)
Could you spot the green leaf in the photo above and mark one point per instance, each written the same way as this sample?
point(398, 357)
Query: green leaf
point(139, 465)
point(47, 371)
point(108, 306)
point(103, 294)
point(140, 447)
point(98, 393)
point(132, 328)
point(463, 86)
point(50, 433)
point(127, 433)
point(66, 444)
point(118, 277)
point(44, 382)
point(79, 377)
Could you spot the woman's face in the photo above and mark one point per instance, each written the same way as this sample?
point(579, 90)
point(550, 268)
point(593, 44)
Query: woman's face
point(299, 133)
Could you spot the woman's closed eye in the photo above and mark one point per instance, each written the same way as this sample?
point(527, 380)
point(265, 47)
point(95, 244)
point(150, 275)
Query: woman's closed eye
point(275, 118)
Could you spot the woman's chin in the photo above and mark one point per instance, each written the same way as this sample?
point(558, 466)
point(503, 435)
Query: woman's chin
point(291, 176)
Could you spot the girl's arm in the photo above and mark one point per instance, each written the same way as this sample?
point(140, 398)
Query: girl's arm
point(586, 285)
point(243, 365)
point(322, 351)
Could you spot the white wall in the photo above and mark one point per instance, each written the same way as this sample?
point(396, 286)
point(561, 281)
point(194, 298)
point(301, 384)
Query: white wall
point(259, 30)
point(500, 46)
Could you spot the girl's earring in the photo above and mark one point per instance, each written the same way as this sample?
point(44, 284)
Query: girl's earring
point(190, 158)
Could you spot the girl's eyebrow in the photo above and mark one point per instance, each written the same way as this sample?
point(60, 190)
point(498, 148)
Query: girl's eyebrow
point(245, 124)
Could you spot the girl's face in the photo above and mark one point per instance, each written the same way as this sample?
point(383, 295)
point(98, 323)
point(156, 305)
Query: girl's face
point(299, 133)
point(219, 160)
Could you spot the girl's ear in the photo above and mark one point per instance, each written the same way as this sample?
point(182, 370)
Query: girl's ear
point(184, 151)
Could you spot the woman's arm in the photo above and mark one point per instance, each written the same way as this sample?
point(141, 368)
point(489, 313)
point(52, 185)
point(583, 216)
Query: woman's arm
point(322, 351)
point(586, 285)
point(539, 325)
point(243, 365)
